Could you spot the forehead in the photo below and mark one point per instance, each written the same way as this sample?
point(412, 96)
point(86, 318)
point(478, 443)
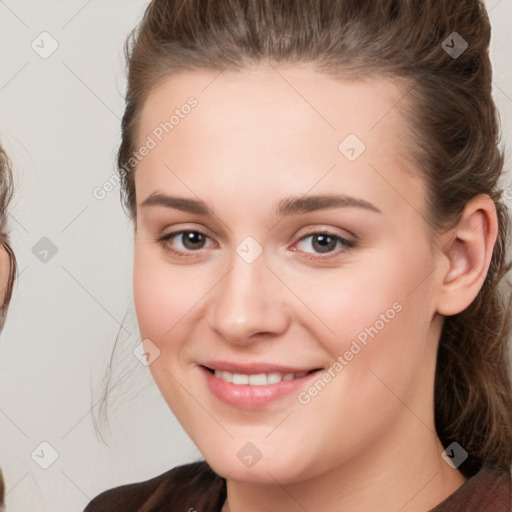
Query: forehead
point(291, 124)
point(266, 98)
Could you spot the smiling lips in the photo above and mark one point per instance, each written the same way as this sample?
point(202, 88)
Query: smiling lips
point(252, 386)
point(256, 374)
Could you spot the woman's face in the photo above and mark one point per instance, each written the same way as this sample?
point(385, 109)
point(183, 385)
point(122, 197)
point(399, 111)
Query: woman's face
point(280, 230)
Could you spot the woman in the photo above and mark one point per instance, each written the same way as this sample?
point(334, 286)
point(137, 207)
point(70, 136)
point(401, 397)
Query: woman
point(7, 259)
point(319, 240)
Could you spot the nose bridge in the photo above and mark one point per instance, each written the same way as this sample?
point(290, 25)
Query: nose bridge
point(247, 301)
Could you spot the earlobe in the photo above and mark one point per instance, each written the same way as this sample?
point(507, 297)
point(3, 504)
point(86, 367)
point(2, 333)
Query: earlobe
point(468, 255)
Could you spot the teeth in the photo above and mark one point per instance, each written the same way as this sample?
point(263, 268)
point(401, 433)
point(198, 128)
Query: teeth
point(227, 376)
point(274, 378)
point(260, 379)
point(239, 378)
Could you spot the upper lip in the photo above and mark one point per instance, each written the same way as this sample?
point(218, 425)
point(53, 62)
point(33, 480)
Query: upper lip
point(255, 368)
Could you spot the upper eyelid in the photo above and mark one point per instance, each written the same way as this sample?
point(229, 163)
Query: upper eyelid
point(322, 232)
point(349, 237)
point(174, 232)
point(301, 237)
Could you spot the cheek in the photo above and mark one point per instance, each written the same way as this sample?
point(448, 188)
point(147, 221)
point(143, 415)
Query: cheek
point(168, 298)
point(379, 313)
point(163, 303)
point(159, 295)
point(4, 271)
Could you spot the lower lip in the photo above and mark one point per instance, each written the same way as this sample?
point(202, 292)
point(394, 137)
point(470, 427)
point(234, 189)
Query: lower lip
point(246, 396)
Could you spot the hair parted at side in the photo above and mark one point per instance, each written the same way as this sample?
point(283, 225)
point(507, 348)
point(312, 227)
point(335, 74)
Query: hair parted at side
point(454, 130)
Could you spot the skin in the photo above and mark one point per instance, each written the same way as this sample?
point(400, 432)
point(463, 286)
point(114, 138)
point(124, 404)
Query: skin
point(4, 280)
point(255, 138)
point(4, 271)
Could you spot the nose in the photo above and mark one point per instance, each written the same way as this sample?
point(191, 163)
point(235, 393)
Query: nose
point(249, 303)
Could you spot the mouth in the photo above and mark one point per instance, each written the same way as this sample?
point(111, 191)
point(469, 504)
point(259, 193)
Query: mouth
point(254, 387)
point(257, 379)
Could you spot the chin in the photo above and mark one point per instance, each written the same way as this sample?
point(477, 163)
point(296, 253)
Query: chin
point(266, 470)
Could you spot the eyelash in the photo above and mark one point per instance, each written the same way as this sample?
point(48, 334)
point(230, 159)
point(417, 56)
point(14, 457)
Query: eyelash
point(348, 245)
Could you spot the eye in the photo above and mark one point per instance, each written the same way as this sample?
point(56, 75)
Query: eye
point(186, 241)
point(323, 243)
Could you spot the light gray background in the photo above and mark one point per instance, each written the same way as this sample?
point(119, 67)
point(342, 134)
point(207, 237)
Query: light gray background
point(60, 121)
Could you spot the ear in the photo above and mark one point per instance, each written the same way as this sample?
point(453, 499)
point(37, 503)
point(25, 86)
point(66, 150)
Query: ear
point(466, 255)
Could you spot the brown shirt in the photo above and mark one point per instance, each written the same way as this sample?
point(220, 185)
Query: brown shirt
point(196, 488)
point(2, 490)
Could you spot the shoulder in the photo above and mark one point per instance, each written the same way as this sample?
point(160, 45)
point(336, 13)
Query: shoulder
point(188, 487)
point(490, 489)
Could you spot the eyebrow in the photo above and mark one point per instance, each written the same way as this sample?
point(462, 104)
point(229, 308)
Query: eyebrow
point(296, 205)
point(286, 207)
point(178, 203)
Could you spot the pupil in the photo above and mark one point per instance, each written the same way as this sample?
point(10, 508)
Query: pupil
point(324, 243)
point(193, 240)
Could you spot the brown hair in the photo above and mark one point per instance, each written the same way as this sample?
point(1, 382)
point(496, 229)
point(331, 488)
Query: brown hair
point(454, 133)
point(6, 192)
